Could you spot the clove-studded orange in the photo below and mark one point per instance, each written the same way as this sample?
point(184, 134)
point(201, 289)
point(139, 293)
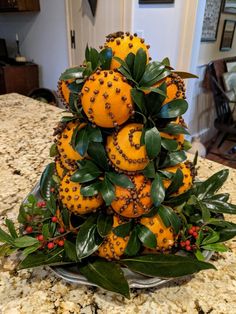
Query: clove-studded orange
point(164, 236)
point(60, 170)
point(175, 88)
point(124, 149)
point(64, 91)
point(106, 99)
point(72, 199)
point(188, 175)
point(124, 43)
point(69, 156)
point(133, 202)
point(113, 246)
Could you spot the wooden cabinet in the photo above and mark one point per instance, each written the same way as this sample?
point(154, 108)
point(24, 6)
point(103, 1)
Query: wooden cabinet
point(19, 5)
point(18, 78)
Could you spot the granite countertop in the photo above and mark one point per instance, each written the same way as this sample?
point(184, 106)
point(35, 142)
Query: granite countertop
point(25, 138)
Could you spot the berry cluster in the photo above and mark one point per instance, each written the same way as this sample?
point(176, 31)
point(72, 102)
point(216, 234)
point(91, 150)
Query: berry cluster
point(189, 243)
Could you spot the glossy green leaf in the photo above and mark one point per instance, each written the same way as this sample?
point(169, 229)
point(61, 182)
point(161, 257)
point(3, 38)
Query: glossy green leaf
point(46, 180)
point(94, 58)
point(123, 64)
point(72, 73)
point(5, 237)
point(173, 128)
point(91, 189)
point(134, 244)
point(140, 61)
point(173, 109)
point(151, 74)
point(11, 228)
point(169, 218)
point(53, 150)
point(173, 158)
point(104, 224)
point(45, 231)
point(139, 100)
point(176, 182)
point(88, 240)
point(185, 75)
point(157, 191)
point(107, 190)
point(149, 171)
point(216, 247)
point(66, 119)
point(168, 144)
point(105, 57)
point(107, 275)
point(146, 236)
point(88, 171)
point(166, 61)
point(165, 265)
point(227, 233)
point(25, 241)
point(187, 145)
point(123, 230)
point(94, 134)
point(97, 152)
point(212, 184)
point(152, 142)
point(178, 200)
point(120, 180)
point(127, 74)
point(130, 61)
point(154, 101)
point(224, 197)
point(30, 249)
point(70, 250)
point(216, 206)
point(154, 90)
point(81, 141)
point(212, 237)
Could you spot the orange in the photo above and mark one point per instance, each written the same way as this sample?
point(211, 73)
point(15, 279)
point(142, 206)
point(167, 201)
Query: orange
point(64, 91)
point(132, 203)
point(124, 149)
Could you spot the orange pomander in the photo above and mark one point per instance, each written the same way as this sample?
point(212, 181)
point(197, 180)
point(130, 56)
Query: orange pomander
point(165, 236)
point(64, 91)
point(106, 99)
point(133, 202)
point(188, 175)
point(60, 170)
point(72, 199)
point(69, 156)
point(175, 88)
point(113, 246)
point(124, 149)
point(122, 44)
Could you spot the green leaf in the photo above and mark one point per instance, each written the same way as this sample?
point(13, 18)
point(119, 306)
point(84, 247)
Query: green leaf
point(178, 200)
point(22, 216)
point(140, 61)
point(70, 251)
point(104, 224)
point(173, 109)
point(30, 249)
point(223, 197)
point(105, 57)
point(216, 206)
point(94, 134)
point(154, 101)
point(94, 58)
point(139, 100)
point(212, 184)
point(11, 228)
point(217, 247)
point(91, 189)
point(157, 191)
point(165, 265)
point(88, 171)
point(176, 182)
point(82, 141)
point(185, 75)
point(169, 218)
point(46, 180)
point(154, 90)
point(134, 244)
point(72, 73)
point(53, 150)
point(45, 231)
point(107, 190)
point(212, 237)
point(146, 236)
point(187, 145)
point(120, 179)
point(166, 61)
point(173, 128)
point(199, 255)
point(40, 258)
point(5, 237)
point(66, 119)
point(97, 152)
point(123, 64)
point(149, 171)
point(173, 158)
point(168, 144)
point(88, 240)
point(25, 241)
point(107, 275)
point(227, 233)
point(152, 142)
point(123, 230)
point(6, 250)
point(151, 74)
point(130, 61)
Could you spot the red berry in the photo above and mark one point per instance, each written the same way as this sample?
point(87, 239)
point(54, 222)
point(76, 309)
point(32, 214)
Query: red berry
point(54, 219)
point(38, 204)
point(43, 204)
point(52, 190)
point(50, 245)
point(193, 228)
point(187, 242)
point(195, 234)
point(188, 248)
point(40, 237)
point(60, 243)
point(190, 231)
point(182, 243)
point(29, 229)
point(61, 230)
point(198, 228)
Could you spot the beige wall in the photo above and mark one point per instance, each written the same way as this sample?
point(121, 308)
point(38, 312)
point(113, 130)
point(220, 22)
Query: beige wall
point(211, 50)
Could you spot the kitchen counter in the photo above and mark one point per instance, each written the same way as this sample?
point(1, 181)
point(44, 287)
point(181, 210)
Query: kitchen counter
point(26, 129)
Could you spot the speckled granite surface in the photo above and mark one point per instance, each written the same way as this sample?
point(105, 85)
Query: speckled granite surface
point(26, 128)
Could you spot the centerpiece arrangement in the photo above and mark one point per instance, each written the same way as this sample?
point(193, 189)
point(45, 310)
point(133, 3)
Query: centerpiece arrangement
point(121, 192)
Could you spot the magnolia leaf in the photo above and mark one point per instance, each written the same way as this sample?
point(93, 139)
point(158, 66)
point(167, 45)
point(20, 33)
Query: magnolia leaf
point(107, 190)
point(70, 251)
point(53, 150)
point(173, 128)
point(151, 74)
point(98, 154)
point(152, 142)
point(149, 171)
point(91, 189)
point(46, 180)
point(88, 171)
point(120, 179)
point(134, 244)
point(146, 236)
point(82, 141)
point(173, 158)
point(169, 218)
point(105, 57)
point(216, 206)
point(140, 61)
point(139, 100)
point(217, 247)
point(104, 224)
point(94, 134)
point(123, 230)
point(157, 191)
point(169, 144)
point(173, 109)
point(185, 75)
point(130, 61)
point(176, 182)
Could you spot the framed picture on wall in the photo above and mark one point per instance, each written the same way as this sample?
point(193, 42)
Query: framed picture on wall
point(229, 6)
point(211, 20)
point(227, 35)
point(155, 1)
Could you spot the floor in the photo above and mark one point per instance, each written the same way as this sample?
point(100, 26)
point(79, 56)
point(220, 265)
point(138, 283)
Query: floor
point(225, 155)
